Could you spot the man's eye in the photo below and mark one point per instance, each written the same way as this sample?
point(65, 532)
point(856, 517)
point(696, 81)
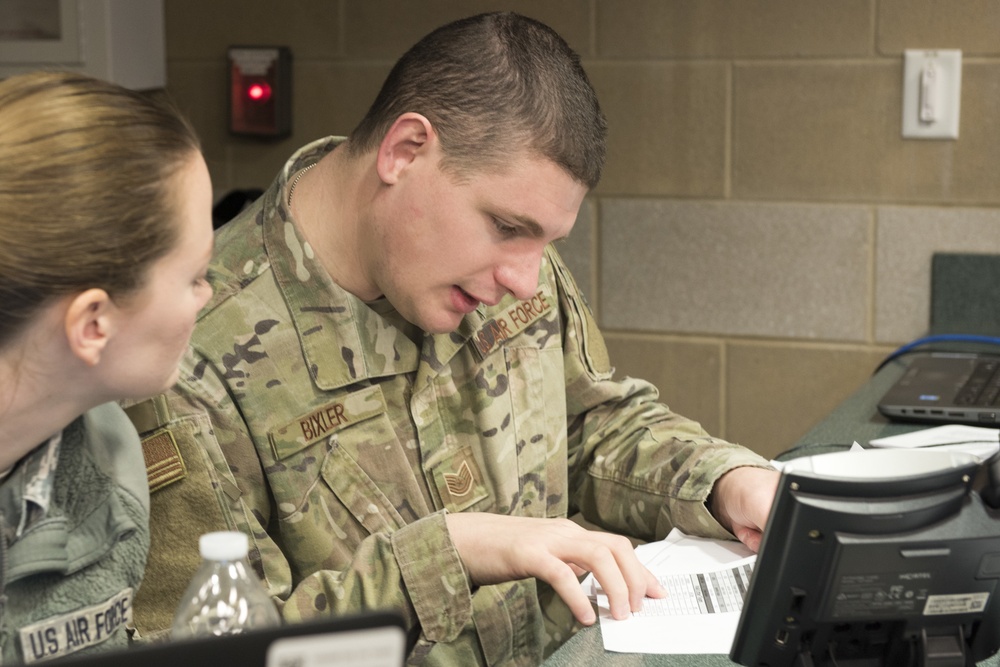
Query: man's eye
point(504, 228)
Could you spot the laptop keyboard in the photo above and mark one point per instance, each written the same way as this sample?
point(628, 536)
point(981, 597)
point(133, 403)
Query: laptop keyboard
point(982, 389)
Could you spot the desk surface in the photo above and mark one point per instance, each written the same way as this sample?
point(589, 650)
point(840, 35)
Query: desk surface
point(856, 419)
point(587, 648)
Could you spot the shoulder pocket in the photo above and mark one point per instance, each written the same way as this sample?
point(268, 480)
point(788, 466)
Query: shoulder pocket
point(190, 499)
point(581, 323)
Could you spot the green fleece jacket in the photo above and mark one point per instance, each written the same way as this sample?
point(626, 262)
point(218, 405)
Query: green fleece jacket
point(74, 520)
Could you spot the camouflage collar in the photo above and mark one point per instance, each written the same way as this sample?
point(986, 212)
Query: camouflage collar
point(367, 346)
point(39, 472)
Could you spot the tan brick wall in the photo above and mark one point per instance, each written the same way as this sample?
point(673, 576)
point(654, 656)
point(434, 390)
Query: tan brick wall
point(763, 234)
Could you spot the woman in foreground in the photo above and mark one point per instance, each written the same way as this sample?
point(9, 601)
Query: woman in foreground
point(105, 235)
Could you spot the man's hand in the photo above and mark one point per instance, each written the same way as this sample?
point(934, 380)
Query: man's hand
point(741, 501)
point(498, 548)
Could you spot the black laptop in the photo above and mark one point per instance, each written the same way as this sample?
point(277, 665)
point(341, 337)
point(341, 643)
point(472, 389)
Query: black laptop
point(952, 388)
point(368, 640)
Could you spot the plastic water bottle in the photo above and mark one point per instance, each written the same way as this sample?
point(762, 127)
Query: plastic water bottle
point(224, 596)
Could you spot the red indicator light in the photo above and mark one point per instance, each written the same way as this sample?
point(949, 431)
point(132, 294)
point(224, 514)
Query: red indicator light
point(259, 92)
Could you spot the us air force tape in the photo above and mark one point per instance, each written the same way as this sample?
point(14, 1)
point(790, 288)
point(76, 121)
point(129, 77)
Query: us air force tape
point(509, 323)
point(74, 631)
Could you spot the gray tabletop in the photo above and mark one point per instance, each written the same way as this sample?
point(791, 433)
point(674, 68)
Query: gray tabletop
point(587, 648)
point(856, 419)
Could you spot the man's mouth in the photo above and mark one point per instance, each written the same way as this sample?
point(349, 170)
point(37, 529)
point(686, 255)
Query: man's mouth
point(463, 301)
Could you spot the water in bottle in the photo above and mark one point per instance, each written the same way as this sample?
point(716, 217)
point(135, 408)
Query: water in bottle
point(224, 596)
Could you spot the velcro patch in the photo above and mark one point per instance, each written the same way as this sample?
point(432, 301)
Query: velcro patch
point(459, 481)
point(594, 347)
point(149, 415)
point(321, 423)
point(62, 635)
point(164, 464)
point(508, 324)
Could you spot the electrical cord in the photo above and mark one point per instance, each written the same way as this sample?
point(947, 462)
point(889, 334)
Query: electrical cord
point(937, 338)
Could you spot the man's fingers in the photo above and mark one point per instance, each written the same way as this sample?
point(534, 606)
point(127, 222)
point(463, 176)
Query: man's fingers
point(561, 576)
point(611, 559)
point(498, 548)
point(750, 537)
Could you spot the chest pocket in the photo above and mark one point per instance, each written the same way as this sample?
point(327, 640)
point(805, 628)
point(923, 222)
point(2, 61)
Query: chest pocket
point(365, 483)
point(517, 429)
point(358, 470)
point(540, 426)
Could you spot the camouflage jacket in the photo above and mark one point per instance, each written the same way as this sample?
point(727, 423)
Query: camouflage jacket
point(73, 516)
point(337, 436)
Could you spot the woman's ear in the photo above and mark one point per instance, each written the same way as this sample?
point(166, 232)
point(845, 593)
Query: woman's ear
point(89, 324)
point(408, 137)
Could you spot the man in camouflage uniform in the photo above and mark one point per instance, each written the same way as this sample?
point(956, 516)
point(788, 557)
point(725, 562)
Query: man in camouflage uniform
point(399, 392)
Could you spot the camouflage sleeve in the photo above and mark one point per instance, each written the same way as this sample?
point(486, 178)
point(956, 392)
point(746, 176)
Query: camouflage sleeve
point(410, 570)
point(637, 467)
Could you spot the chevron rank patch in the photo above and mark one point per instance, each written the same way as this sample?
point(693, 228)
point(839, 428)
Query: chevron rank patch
point(459, 481)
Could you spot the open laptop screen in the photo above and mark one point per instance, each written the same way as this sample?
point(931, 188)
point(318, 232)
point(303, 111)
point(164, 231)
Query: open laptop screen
point(367, 640)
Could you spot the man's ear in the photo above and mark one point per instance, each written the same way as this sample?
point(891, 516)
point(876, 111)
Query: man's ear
point(408, 137)
point(89, 324)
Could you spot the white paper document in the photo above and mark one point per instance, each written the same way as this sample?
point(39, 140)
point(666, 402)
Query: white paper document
point(979, 441)
point(706, 581)
point(780, 465)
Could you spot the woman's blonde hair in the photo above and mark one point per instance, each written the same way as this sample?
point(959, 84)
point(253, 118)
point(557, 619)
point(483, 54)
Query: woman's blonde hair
point(86, 194)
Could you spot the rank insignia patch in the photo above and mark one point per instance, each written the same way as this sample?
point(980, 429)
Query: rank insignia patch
point(459, 481)
point(164, 464)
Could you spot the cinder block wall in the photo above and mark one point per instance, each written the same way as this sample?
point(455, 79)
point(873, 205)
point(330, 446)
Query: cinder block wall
point(763, 234)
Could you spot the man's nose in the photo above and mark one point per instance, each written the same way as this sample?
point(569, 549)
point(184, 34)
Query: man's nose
point(519, 275)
